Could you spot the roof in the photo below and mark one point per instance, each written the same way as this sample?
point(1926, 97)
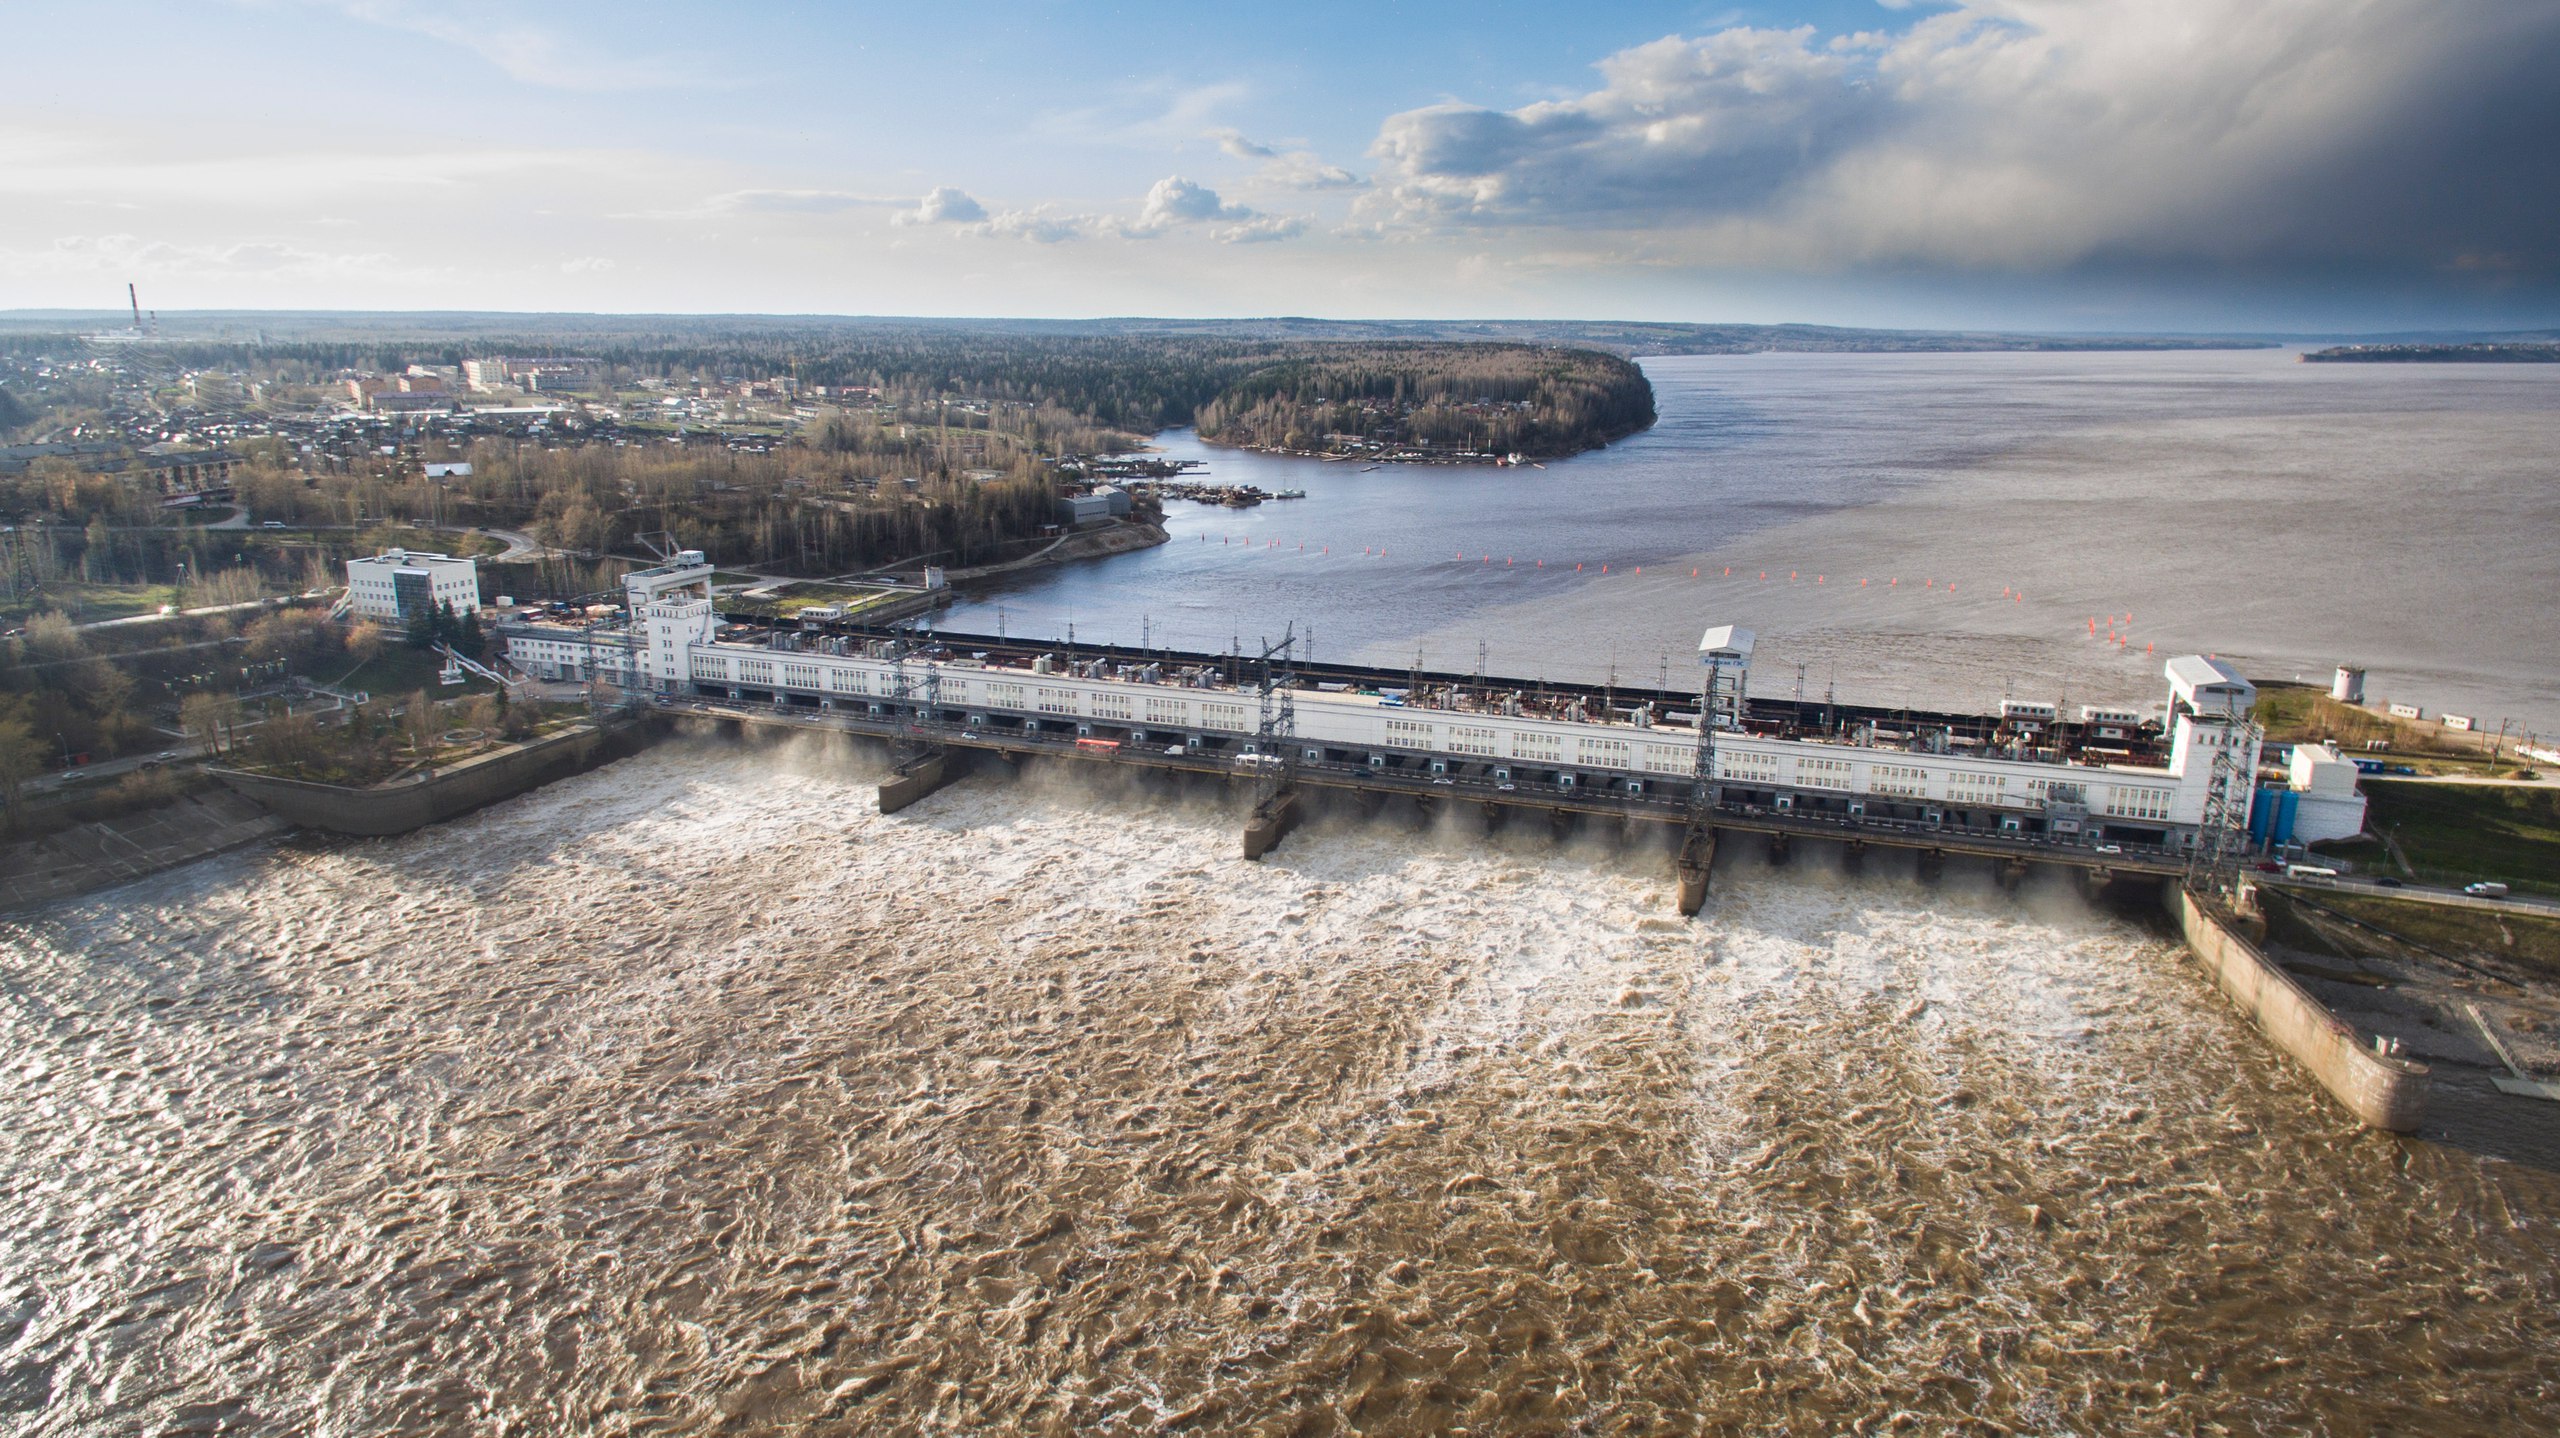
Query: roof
point(2204, 683)
point(1726, 641)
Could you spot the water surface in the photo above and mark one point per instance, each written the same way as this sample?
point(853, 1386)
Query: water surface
point(2287, 515)
point(693, 1095)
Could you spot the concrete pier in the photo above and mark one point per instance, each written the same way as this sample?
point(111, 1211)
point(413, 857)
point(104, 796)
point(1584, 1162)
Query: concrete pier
point(1696, 862)
point(918, 777)
point(2383, 1090)
point(1272, 819)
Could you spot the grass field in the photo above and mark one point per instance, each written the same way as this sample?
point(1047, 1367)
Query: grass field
point(400, 671)
point(88, 602)
point(2442, 926)
point(2293, 713)
point(2458, 833)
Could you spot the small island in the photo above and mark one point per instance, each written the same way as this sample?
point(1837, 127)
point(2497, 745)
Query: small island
point(1433, 404)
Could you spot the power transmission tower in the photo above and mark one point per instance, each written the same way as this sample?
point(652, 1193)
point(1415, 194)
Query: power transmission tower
point(2222, 837)
point(1724, 656)
point(1276, 730)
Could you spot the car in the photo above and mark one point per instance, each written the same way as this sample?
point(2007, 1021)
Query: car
point(272, 524)
point(1176, 750)
point(1506, 786)
point(166, 755)
point(151, 763)
point(1444, 781)
point(2109, 849)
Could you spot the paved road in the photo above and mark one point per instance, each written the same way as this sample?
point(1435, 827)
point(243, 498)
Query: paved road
point(106, 771)
point(2421, 893)
point(277, 602)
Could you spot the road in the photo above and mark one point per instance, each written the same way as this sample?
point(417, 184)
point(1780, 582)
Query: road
point(277, 602)
point(2422, 893)
point(100, 774)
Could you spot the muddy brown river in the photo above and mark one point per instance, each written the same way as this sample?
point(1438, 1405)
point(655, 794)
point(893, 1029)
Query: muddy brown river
point(694, 1096)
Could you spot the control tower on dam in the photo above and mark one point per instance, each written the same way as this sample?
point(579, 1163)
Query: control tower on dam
point(2111, 790)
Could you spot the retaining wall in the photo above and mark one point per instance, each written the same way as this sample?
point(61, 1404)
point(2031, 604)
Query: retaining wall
point(2384, 1091)
point(400, 807)
point(113, 851)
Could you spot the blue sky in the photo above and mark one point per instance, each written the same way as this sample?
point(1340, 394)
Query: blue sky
point(2173, 164)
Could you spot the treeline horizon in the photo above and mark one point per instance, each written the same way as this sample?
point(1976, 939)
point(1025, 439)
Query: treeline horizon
point(1496, 399)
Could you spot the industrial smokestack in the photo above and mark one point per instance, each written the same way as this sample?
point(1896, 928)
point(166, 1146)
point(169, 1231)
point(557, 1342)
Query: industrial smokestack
point(136, 301)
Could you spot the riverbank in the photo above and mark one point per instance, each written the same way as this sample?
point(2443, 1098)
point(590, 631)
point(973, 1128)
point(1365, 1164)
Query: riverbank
point(413, 803)
point(112, 851)
point(1127, 537)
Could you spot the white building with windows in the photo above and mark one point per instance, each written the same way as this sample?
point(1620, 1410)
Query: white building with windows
point(397, 583)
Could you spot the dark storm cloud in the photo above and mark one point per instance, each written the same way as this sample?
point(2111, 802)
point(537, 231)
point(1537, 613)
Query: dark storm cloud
point(2039, 134)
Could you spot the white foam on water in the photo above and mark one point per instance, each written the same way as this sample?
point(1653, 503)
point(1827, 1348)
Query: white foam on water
point(696, 1092)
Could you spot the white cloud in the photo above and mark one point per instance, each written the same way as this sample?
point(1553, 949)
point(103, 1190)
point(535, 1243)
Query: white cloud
point(1301, 170)
point(1260, 230)
point(1174, 201)
point(123, 167)
point(1154, 115)
point(944, 204)
point(129, 255)
point(526, 52)
point(1240, 148)
point(1040, 225)
point(587, 265)
point(1291, 169)
point(2031, 134)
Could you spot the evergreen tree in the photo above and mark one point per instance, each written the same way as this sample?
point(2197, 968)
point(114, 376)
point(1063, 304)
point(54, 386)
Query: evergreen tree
point(422, 628)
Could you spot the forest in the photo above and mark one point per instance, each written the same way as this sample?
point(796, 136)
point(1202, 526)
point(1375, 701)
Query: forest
point(1477, 398)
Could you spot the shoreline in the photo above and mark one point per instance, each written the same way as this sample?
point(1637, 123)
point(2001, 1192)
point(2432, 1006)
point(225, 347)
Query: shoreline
point(1449, 461)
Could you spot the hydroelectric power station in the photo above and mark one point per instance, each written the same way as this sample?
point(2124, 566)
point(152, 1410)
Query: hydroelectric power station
point(2108, 793)
point(2103, 789)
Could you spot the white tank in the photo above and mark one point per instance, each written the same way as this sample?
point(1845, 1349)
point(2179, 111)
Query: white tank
point(2348, 687)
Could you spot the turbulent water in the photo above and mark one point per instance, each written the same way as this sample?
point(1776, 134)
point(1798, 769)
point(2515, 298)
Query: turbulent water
point(693, 1095)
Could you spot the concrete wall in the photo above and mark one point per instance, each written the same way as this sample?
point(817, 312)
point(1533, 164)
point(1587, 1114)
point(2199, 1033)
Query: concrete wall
point(113, 851)
point(400, 807)
point(2385, 1092)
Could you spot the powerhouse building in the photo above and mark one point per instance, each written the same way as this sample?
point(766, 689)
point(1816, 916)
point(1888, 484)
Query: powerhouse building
point(2112, 787)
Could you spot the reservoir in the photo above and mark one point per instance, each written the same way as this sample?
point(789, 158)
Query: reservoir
point(2290, 517)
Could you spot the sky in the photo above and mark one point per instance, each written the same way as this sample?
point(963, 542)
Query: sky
point(2081, 165)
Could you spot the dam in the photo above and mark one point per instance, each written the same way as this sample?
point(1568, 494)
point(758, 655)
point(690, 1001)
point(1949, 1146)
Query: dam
point(2107, 790)
point(2109, 793)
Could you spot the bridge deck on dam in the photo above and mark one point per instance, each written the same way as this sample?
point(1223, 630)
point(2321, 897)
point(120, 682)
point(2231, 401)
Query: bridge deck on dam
point(1671, 810)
